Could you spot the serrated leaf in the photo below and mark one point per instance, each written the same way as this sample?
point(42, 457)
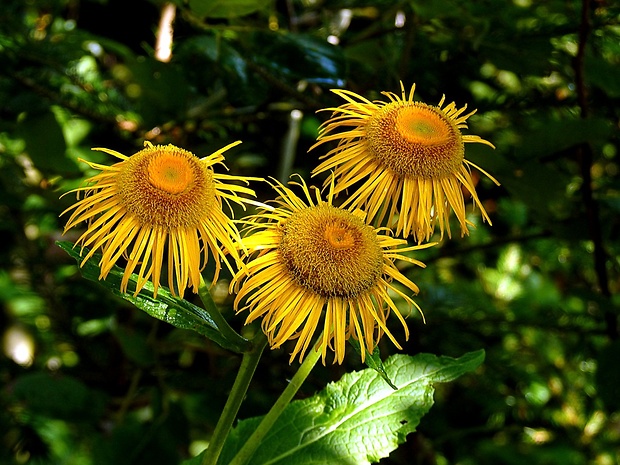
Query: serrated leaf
point(373, 361)
point(167, 307)
point(357, 420)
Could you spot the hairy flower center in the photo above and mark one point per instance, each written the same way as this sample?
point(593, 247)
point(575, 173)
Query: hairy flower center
point(339, 237)
point(331, 251)
point(170, 173)
point(166, 186)
point(415, 139)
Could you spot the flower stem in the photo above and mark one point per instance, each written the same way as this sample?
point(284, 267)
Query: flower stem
point(230, 334)
point(237, 393)
point(248, 449)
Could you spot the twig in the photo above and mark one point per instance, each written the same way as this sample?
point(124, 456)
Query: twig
point(586, 159)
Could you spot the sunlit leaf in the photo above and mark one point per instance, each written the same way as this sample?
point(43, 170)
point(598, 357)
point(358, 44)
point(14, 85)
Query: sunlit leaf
point(358, 419)
point(373, 361)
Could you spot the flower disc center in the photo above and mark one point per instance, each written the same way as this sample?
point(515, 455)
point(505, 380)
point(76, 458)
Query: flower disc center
point(339, 237)
point(415, 139)
point(421, 125)
point(331, 251)
point(167, 186)
point(170, 173)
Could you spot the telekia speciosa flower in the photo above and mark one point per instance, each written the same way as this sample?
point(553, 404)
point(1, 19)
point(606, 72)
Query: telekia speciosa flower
point(312, 264)
point(159, 208)
point(402, 161)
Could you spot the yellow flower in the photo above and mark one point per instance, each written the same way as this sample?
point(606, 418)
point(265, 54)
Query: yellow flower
point(161, 196)
point(409, 157)
point(309, 260)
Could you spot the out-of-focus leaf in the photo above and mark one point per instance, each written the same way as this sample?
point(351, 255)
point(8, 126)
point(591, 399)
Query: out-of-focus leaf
point(160, 89)
point(298, 56)
point(226, 8)
point(173, 310)
point(604, 75)
point(60, 397)
point(525, 55)
point(45, 143)
point(608, 376)
point(158, 442)
point(438, 9)
point(358, 419)
point(135, 346)
point(553, 136)
point(541, 188)
point(212, 61)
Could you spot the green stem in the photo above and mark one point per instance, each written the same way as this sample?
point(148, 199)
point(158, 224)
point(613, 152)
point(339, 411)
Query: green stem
point(237, 393)
point(219, 320)
point(248, 449)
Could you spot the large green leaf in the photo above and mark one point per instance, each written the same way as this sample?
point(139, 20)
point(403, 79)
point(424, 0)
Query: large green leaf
point(356, 420)
point(373, 361)
point(167, 307)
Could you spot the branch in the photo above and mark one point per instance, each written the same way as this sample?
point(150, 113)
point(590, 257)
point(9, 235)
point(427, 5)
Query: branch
point(586, 159)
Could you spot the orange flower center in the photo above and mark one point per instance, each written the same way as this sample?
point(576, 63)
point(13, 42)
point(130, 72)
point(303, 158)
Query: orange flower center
point(170, 173)
point(338, 237)
point(166, 186)
point(331, 251)
point(415, 139)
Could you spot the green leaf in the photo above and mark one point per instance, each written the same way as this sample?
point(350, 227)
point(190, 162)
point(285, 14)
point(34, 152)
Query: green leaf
point(298, 56)
point(45, 143)
point(167, 307)
point(359, 419)
point(135, 346)
point(226, 8)
point(160, 89)
point(604, 75)
point(373, 361)
point(62, 397)
point(552, 136)
point(608, 376)
point(541, 187)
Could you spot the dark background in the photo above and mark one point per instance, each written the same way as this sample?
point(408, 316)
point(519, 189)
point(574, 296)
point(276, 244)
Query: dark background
point(87, 379)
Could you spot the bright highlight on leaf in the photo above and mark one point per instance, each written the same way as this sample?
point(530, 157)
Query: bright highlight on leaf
point(359, 419)
point(409, 158)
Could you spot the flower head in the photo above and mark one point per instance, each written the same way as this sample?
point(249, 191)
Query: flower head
point(409, 157)
point(162, 197)
point(311, 261)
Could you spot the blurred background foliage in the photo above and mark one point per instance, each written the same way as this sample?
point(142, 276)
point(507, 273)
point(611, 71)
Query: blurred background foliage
point(87, 379)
